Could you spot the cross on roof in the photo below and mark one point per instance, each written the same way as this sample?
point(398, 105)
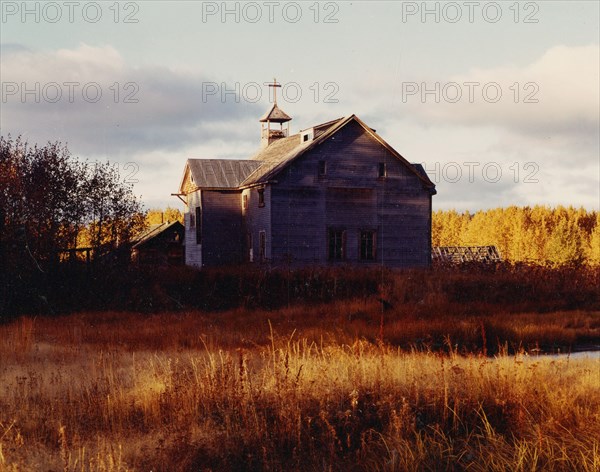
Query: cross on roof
point(275, 85)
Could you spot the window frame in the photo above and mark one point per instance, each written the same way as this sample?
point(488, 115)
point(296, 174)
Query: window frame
point(382, 170)
point(262, 245)
point(198, 217)
point(249, 247)
point(261, 197)
point(365, 235)
point(338, 254)
point(322, 169)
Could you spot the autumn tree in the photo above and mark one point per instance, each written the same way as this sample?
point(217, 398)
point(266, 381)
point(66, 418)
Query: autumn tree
point(593, 248)
point(169, 214)
point(114, 213)
point(40, 191)
point(543, 235)
point(564, 245)
point(48, 198)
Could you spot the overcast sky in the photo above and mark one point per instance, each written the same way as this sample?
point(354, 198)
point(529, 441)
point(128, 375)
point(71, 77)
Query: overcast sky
point(498, 100)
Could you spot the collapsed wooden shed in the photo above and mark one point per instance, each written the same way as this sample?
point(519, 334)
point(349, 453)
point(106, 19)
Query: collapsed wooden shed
point(160, 245)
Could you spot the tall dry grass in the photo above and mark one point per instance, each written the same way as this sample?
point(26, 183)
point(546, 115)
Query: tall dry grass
point(455, 290)
point(193, 392)
point(340, 322)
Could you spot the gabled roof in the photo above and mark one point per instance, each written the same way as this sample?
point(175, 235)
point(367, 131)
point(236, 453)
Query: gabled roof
point(218, 173)
point(269, 161)
point(419, 168)
point(152, 232)
point(320, 129)
point(276, 115)
point(283, 151)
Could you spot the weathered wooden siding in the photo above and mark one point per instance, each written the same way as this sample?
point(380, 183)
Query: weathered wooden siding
point(193, 251)
point(297, 223)
point(351, 209)
point(221, 227)
point(256, 219)
point(353, 197)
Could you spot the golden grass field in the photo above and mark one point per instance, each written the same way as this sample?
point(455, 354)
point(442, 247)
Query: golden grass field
point(303, 388)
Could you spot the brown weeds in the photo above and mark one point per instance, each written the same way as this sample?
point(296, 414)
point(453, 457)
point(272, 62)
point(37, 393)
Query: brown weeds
point(294, 390)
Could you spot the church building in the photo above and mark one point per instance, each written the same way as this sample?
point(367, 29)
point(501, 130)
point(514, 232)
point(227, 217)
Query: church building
point(332, 194)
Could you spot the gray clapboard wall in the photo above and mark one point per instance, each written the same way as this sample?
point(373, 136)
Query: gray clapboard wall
point(221, 241)
point(255, 220)
point(221, 227)
point(193, 251)
point(350, 196)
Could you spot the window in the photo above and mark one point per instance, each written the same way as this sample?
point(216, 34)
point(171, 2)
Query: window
point(262, 245)
point(261, 197)
point(198, 225)
point(192, 220)
point(245, 201)
point(249, 247)
point(308, 136)
point(368, 241)
point(382, 170)
point(322, 168)
point(337, 244)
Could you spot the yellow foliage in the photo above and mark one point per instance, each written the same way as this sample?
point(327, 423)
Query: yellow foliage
point(157, 215)
point(550, 236)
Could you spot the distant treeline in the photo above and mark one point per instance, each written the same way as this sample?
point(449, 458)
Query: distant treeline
point(541, 235)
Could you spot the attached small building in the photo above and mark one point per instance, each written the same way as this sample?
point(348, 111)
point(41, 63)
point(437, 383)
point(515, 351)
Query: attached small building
point(160, 245)
point(335, 193)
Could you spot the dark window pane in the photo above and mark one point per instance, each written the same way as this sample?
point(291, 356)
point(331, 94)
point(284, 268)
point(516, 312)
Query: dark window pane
point(261, 197)
point(336, 245)
point(198, 225)
point(322, 167)
point(367, 245)
point(262, 245)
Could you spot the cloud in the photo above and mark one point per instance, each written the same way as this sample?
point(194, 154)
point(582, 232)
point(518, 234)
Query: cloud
point(10, 48)
point(90, 97)
point(556, 94)
point(560, 134)
point(168, 121)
